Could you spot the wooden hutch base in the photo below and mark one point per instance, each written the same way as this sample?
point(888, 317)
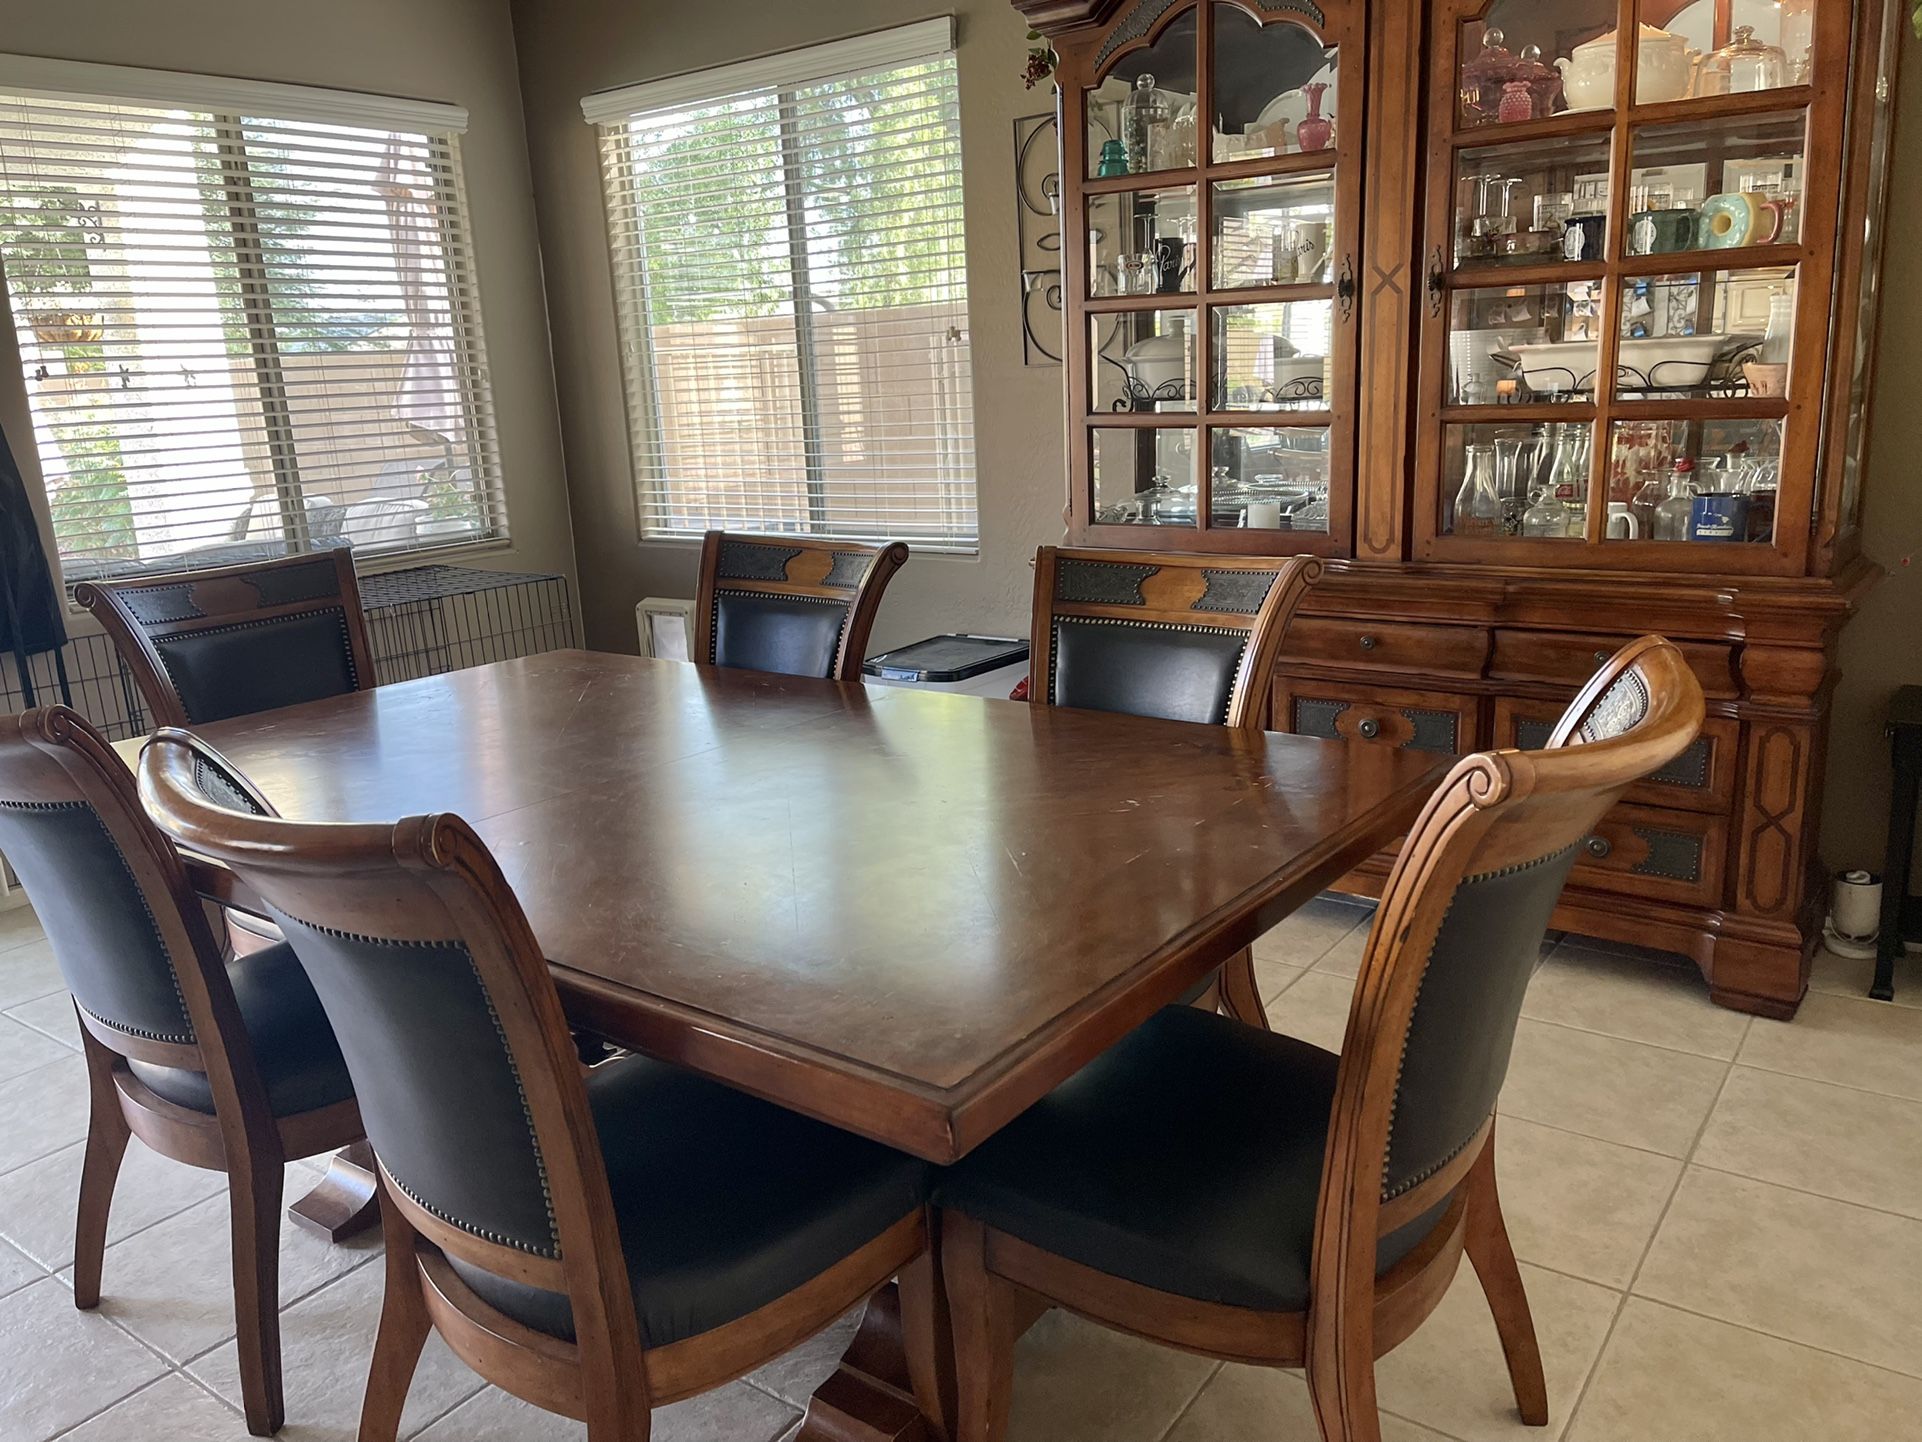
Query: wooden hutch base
point(1714, 858)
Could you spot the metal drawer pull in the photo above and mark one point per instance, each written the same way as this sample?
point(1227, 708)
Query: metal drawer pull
point(1598, 846)
point(1601, 657)
point(1370, 729)
point(1367, 643)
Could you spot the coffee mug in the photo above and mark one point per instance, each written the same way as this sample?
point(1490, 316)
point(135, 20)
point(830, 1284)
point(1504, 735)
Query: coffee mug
point(1582, 237)
point(1622, 522)
point(1719, 516)
point(1661, 232)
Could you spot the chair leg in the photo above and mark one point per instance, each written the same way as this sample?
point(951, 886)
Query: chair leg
point(1488, 1248)
point(254, 1190)
point(1344, 1398)
point(107, 1134)
point(981, 1310)
point(926, 1335)
point(403, 1330)
point(1240, 997)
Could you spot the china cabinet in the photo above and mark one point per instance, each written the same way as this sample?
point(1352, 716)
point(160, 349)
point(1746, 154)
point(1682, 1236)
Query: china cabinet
point(1549, 322)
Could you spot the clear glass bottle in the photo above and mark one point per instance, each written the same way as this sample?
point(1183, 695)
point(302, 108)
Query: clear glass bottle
point(1142, 114)
point(1547, 517)
point(1570, 480)
point(1478, 504)
point(1645, 501)
point(1671, 516)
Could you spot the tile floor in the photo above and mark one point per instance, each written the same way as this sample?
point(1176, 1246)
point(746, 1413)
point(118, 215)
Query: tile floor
point(1720, 1222)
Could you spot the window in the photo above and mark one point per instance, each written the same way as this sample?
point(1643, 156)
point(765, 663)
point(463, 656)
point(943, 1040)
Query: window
point(246, 314)
point(791, 279)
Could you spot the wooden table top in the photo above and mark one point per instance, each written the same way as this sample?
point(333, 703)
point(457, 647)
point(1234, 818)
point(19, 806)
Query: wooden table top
point(910, 914)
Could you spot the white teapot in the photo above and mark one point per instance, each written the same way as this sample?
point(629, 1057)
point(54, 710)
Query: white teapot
point(1662, 70)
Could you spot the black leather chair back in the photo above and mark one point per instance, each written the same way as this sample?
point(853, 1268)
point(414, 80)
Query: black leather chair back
point(208, 645)
point(1175, 673)
point(792, 635)
point(794, 606)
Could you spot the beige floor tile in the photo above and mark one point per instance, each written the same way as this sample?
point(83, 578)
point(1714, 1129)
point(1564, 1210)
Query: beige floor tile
point(1636, 997)
point(28, 971)
point(1314, 1009)
point(1839, 1277)
point(1852, 1145)
point(23, 1049)
point(1850, 976)
point(1076, 1382)
point(1344, 957)
point(42, 1111)
point(1272, 978)
point(50, 1015)
point(1301, 939)
point(326, 1342)
point(172, 1284)
point(37, 1201)
point(1850, 1040)
point(1578, 1204)
point(1670, 1376)
point(18, 925)
point(59, 1366)
point(1241, 1404)
point(794, 1377)
point(171, 1410)
point(1601, 1086)
point(734, 1413)
point(1450, 1374)
point(17, 1269)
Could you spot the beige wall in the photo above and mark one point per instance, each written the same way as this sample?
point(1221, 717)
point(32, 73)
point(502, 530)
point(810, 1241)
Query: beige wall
point(570, 48)
point(461, 51)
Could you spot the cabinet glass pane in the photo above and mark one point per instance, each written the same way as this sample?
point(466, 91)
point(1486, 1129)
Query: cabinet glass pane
point(1523, 60)
point(1745, 45)
point(1711, 481)
point(1141, 116)
point(1142, 242)
point(1144, 477)
point(1524, 343)
point(1706, 333)
point(1531, 202)
point(1515, 481)
point(1142, 361)
point(1275, 87)
point(1275, 231)
point(1272, 357)
point(1717, 185)
point(1269, 479)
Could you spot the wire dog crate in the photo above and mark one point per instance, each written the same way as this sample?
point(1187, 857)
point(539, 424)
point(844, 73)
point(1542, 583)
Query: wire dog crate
point(421, 621)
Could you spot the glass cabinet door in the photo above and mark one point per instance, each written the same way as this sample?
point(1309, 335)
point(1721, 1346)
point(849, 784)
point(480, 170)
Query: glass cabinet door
point(1626, 281)
point(1216, 186)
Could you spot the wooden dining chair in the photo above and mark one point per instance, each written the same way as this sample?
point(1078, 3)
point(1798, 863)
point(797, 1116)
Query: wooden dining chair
point(1182, 638)
point(1248, 1196)
point(224, 1064)
point(595, 1244)
point(791, 604)
point(207, 645)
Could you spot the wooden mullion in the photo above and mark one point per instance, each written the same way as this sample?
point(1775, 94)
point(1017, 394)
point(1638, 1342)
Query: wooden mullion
point(1204, 256)
point(1620, 160)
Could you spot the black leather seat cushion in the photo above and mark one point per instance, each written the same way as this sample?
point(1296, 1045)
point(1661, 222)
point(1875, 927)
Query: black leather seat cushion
point(777, 633)
point(1187, 1158)
point(725, 1202)
point(1175, 675)
point(259, 665)
point(293, 1045)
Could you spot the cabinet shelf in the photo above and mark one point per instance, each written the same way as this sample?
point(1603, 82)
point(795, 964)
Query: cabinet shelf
point(1603, 119)
point(1294, 162)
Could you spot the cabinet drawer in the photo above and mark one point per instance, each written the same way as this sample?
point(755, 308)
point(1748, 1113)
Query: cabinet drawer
point(1424, 720)
point(1448, 650)
point(1563, 659)
point(1702, 778)
point(1666, 855)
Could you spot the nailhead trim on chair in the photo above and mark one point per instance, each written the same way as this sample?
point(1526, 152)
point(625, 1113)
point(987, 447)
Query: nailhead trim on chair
point(1054, 648)
point(338, 612)
point(714, 615)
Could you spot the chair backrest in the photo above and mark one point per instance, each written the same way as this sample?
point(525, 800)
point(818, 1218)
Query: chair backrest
point(1182, 638)
point(1615, 699)
point(206, 645)
point(468, 1081)
point(127, 930)
point(1453, 945)
point(791, 604)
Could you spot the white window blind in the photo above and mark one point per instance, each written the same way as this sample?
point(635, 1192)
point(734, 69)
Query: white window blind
point(246, 315)
point(791, 281)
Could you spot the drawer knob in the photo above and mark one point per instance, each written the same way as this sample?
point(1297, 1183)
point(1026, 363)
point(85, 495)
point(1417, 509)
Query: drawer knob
point(1370, 729)
point(1601, 658)
point(1598, 846)
point(1367, 643)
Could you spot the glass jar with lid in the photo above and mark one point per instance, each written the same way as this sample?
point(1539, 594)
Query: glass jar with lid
point(1743, 66)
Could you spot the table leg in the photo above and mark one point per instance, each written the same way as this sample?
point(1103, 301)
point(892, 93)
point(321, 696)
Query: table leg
point(868, 1398)
point(344, 1203)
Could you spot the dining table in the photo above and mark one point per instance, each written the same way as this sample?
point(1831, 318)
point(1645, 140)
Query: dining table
point(907, 914)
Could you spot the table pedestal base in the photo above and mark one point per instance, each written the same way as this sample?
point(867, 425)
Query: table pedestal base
point(869, 1398)
point(345, 1202)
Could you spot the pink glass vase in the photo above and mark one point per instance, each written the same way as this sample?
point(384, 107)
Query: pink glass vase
point(1314, 132)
